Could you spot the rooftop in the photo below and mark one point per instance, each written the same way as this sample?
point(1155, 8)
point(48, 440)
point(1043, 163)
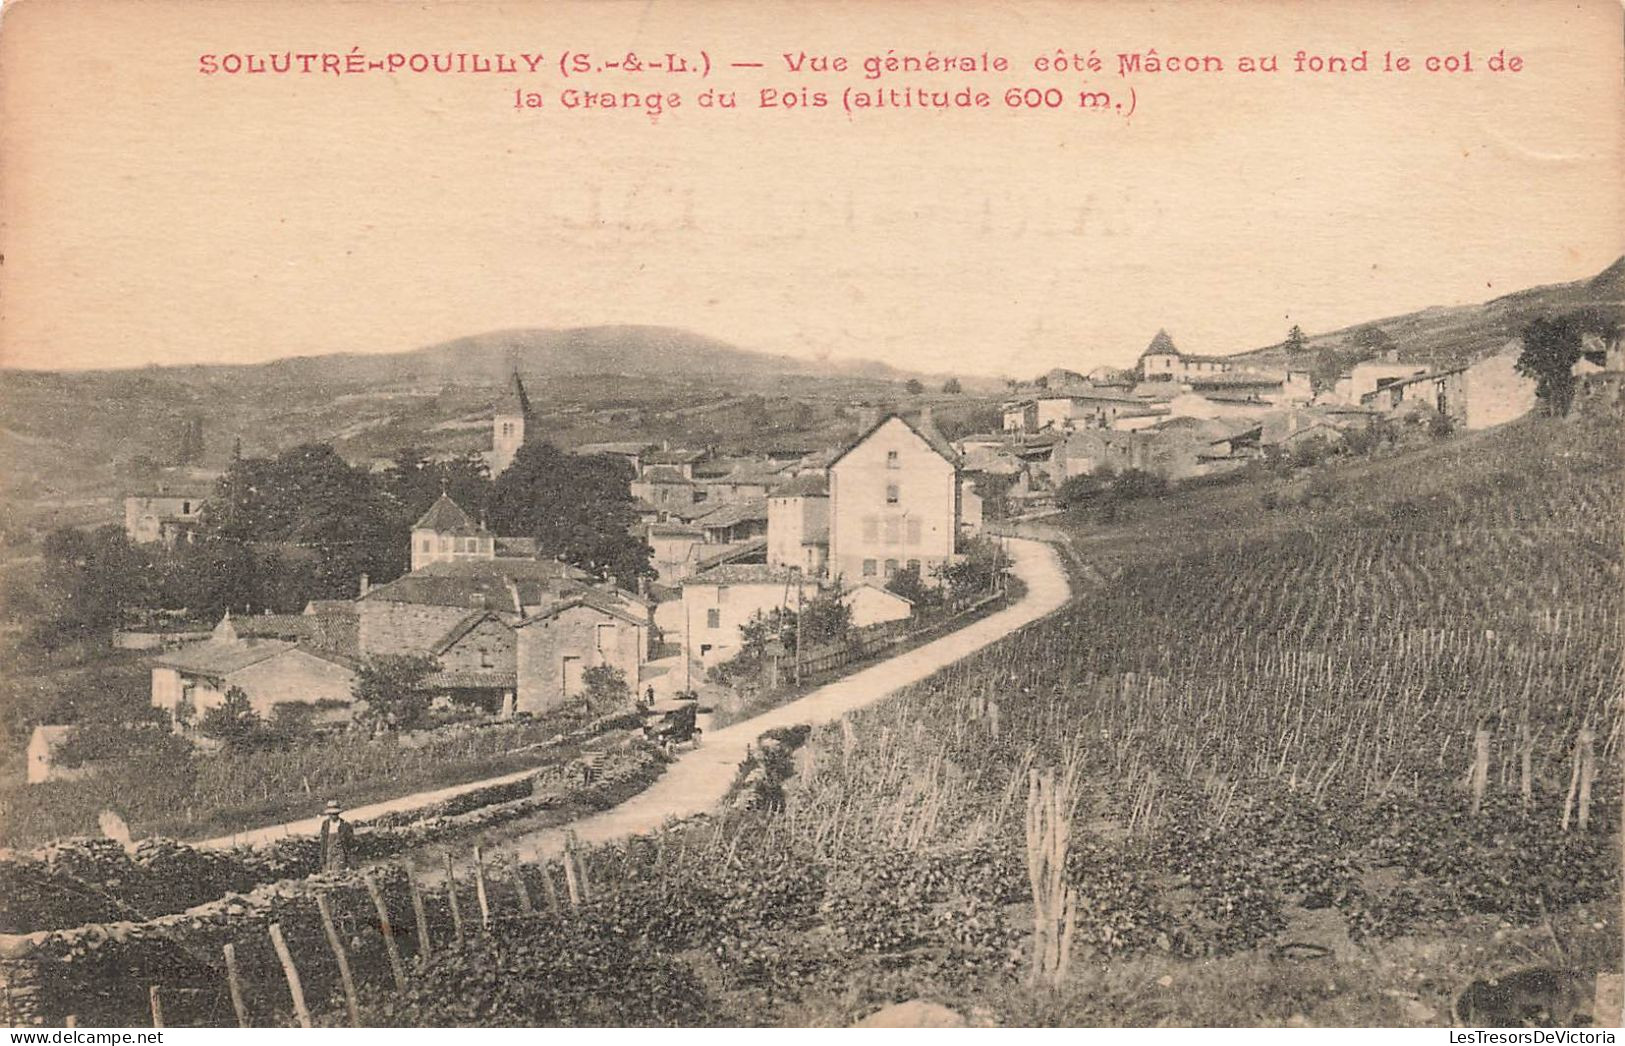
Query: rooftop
point(809, 485)
point(744, 574)
point(445, 516)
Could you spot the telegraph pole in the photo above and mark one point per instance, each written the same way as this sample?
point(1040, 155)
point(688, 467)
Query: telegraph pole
point(795, 572)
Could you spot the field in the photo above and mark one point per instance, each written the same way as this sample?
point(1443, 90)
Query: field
point(170, 791)
point(1331, 763)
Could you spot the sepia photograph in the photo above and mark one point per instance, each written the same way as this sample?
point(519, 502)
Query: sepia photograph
point(969, 514)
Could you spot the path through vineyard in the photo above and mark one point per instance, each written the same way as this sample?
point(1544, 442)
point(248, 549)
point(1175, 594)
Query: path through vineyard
point(700, 778)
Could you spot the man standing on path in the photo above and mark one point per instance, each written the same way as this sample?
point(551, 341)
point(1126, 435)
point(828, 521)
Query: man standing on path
point(337, 840)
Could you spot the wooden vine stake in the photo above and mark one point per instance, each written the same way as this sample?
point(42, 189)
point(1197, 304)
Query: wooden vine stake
point(395, 965)
point(289, 970)
point(570, 875)
point(1580, 779)
point(1526, 766)
point(341, 958)
point(1481, 766)
point(157, 1006)
point(234, 984)
point(1049, 815)
point(1588, 772)
point(451, 898)
point(421, 916)
point(479, 890)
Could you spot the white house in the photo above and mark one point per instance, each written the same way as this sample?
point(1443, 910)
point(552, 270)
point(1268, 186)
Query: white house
point(798, 525)
point(894, 502)
point(718, 601)
point(446, 534)
point(42, 749)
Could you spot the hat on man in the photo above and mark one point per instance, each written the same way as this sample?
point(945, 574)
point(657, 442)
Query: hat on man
point(333, 808)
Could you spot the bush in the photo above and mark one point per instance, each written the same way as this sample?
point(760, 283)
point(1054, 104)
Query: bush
point(543, 971)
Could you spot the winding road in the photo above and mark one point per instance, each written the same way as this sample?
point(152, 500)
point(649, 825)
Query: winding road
point(699, 778)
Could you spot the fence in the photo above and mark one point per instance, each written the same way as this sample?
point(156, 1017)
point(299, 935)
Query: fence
point(292, 952)
point(877, 638)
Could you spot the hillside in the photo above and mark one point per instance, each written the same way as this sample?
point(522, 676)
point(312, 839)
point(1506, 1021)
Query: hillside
point(1445, 336)
point(72, 441)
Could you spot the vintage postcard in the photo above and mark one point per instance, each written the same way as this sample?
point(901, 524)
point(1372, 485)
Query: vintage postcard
point(957, 514)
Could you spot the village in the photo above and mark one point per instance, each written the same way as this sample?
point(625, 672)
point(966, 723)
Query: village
point(861, 539)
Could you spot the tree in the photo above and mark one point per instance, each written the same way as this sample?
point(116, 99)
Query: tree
point(1551, 348)
point(604, 689)
point(88, 582)
point(913, 387)
point(577, 507)
point(1295, 341)
point(976, 573)
point(390, 692)
point(233, 721)
point(952, 387)
point(908, 583)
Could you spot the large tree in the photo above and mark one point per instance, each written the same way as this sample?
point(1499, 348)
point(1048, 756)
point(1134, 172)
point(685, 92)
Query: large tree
point(1551, 347)
point(577, 506)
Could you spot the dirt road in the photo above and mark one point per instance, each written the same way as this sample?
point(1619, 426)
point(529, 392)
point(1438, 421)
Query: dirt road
point(700, 778)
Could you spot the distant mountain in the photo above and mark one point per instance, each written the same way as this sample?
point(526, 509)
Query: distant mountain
point(1445, 336)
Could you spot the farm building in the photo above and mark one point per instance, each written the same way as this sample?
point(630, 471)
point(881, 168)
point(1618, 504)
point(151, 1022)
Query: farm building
point(43, 744)
point(163, 517)
point(189, 681)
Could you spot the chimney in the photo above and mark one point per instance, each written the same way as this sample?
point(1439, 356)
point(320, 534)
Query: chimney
point(365, 586)
point(513, 593)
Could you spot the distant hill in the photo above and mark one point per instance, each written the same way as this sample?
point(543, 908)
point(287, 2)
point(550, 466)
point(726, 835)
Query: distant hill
point(71, 441)
point(1446, 336)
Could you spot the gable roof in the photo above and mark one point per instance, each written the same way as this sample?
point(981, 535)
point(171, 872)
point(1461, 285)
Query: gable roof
point(478, 584)
point(217, 658)
point(927, 435)
point(445, 516)
point(734, 513)
point(590, 599)
point(872, 587)
point(672, 457)
point(665, 474)
point(1161, 345)
point(472, 621)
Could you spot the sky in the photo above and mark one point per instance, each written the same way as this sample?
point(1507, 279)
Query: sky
point(153, 214)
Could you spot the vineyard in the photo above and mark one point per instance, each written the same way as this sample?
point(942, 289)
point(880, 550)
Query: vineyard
point(1350, 756)
point(1318, 765)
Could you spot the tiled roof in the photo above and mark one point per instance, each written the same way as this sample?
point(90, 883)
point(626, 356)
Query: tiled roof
point(735, 513)
point(927, 434)
point(1161, 345)
point(514, 548)
point(445, 516)
point(811, 485)
point(472, 680)
point(599, 601)
point(218, 658)
point(463, 628)
point(478, 584)
point(673, 457)
point(742, 574)
point(664, 474)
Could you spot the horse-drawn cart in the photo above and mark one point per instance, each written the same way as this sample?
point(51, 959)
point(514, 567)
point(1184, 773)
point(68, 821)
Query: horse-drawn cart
point(670, 723)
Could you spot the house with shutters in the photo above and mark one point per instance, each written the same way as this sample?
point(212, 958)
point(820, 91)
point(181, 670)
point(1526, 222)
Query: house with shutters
point(798, 525)
point(894, 501)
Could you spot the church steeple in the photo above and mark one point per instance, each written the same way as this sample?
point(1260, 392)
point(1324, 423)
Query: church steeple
point(510, 424)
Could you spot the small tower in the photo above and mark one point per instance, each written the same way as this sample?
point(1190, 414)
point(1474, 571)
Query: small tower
point(446, 534)
point(510, 425)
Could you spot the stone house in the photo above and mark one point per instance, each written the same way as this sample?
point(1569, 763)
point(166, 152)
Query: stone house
point(187, 682)
point(163, 517)
point(555, 647)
